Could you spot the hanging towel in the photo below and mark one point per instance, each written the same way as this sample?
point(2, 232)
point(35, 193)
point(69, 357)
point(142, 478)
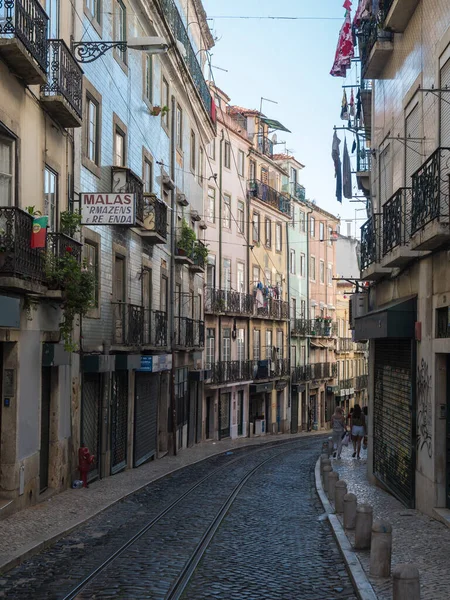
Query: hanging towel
point(337, 166)
point(345, 49)
point(346, 173)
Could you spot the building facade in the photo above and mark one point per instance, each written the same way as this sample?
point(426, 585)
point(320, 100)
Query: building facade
point(404, 252)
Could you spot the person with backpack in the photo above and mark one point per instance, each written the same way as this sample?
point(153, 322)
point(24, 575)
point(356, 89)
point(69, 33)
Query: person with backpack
point(358, 430)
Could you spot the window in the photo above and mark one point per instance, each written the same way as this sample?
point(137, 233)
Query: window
point(193, 151)
point(227, 155)
point(6, 171)
point(179, 130)
point(211, 212)
point(322, 271)
point(91, 258)
point(293, 308)
point(321, 231)
point(165, 101)
point(330, 275)
point(163, 294)
point(120, 27)
point(93, 7)
point(119, 147)
point(268, 233)
point(256, 276)
point(241, 345)
point(268, 276)
point(92, 141)
point(227, 211)
point(302, 221)
point(212, 149)
point(303, 309)
point(226, 344)
point(226, 274)
point(240, 216)
point(148, 77)
point(292, 262)
point(312, 268)
point(312, 226)
point(255, 227)
point(252, 170)
point(119, 282)
point(280, 344)
point(269, 344)
point(50, 197)
point(256, 344)
point(148, 175)
point(201, 161)
point(210, 347)
point(278, 237)
point(302, 265)
point(241, 163)
point(330, 235)
point(240, 277)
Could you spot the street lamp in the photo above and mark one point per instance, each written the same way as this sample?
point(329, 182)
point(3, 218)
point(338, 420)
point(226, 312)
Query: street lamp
point(87, 52)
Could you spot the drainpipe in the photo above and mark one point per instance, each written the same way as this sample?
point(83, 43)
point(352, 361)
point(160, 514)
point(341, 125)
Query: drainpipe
point(308, 310)
point(220, 234)
point(172, 277)
point(288, 280)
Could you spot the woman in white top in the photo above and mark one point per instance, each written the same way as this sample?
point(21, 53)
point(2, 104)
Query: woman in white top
point(338, 425)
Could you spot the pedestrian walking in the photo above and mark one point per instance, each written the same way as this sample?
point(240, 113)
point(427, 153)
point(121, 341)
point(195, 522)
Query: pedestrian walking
point(339, 430)
point(366, 427)
point(358, 429)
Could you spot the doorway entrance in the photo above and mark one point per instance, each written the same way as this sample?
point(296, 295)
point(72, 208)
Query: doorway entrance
point(44, 452)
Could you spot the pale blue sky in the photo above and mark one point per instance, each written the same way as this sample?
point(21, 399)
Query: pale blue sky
point(289, 62)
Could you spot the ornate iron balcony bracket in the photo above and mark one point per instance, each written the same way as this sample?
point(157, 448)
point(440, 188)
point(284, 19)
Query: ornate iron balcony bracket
point(87, 52)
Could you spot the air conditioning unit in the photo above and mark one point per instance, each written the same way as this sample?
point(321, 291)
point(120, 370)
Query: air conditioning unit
point(358, 307)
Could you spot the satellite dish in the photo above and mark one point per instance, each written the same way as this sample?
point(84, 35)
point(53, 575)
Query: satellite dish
point(274, 138)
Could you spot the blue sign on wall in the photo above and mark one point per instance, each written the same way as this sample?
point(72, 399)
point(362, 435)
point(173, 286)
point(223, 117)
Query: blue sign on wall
point(146, 363)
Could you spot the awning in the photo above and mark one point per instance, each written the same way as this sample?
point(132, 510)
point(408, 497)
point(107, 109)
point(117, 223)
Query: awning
point(394, 320)
point(273, 124)
point(317, 345)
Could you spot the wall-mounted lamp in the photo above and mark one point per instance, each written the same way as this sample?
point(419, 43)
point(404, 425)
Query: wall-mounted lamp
point(87, 52)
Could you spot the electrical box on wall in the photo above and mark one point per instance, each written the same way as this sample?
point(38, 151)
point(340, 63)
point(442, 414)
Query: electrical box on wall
point(358, 307)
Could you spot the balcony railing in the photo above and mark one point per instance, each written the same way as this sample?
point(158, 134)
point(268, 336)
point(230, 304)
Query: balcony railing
point(345, 384)
point(180, 33)
point(60, 245)
point(371, 241)
point(430, 190)
point(363, 161)
point(233, 370)
point(27, 21)
point(265, 145)
point(345, 344)
point(443, 322)
point(313, 327)
point(361, 347)
point(189, 333)
point(314, 371)
point(268, 194)
point(155, 217)
point(298, 191)
point(125, 181)
point(273, 309)
point(128, 324)
point(154, 328)
point(397, 220)
point(65, 78)
point(223, 301)
point(17, 258)
point(369, 34)
point(198, 258)
point(270, 369)
point(361, 382)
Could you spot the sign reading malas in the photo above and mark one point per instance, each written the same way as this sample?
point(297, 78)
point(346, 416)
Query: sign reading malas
point(107, 209)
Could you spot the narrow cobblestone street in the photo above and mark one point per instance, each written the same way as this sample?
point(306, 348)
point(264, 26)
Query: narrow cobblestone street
point(271, 543)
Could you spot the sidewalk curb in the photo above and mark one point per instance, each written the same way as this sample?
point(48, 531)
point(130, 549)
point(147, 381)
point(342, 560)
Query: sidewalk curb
point(362, 585)
point(45, 543)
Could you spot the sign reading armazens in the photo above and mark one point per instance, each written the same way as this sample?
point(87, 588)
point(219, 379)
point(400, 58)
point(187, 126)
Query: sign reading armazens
point(107, 209)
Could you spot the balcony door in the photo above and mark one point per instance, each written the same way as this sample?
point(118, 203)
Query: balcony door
point(119, 299)
point(241, 350)
point(6, 171)
point(52, 10)
point(226, 351)
point(147, 304)
point(51, 197)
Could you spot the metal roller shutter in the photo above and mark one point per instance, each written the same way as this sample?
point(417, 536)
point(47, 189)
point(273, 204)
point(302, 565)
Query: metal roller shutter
point(90, 419)
point(445, 106)
point(119, 421)
point(145, 417)
point(394, 456)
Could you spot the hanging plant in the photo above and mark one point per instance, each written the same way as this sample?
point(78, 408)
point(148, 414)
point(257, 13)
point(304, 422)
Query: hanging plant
point(155, 111)
point(70, 222)
point(200, 253)
point(164, 111)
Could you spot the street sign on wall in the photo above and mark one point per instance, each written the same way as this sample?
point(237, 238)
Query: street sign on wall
point(108, 209)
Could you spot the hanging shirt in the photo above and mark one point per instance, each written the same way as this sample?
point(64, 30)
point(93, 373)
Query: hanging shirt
point(346, 173)
point(335, 154)
point(345, 49)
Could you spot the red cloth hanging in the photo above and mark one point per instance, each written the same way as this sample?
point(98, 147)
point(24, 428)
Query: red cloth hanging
point(345, 50)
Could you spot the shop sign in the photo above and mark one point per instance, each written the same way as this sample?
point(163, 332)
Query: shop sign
point(107, 209)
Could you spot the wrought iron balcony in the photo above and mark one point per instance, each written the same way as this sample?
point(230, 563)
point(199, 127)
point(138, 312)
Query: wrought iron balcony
point(198, 257)
point(443, 322)
point(361, 382)
point(300, 374)
point(265, 193)
point(23, 39)
point(17, 258)
point(397, 220)
point(123, 180)
point(228, 302)
point(321, 327)
point(345, 344)
point(300, 327)
point(154, 331)
point(128, 324)
point(314, 371)
point(430, 190)
point(60, 245)
point(271, 369)
point(363, 161)
point(233, 370)
point(375, 47)
point(155, 220)
point(346, 384)
point(361, 347)
point(62, 94)
point(273, 309)
point(371, 241)
point(189, 333)
point(264, 145)
point(297, 190)
point(179, 32)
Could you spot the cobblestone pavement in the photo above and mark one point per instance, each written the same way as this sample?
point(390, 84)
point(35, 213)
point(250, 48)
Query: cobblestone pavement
point(271, 544)
point(416, 538)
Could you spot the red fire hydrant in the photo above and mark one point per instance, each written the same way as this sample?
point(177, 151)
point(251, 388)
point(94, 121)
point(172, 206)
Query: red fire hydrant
point(85, 460)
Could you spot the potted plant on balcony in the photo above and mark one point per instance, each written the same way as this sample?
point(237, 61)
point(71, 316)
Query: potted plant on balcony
point(70, 222)
point(200, 253)
point(186, 241)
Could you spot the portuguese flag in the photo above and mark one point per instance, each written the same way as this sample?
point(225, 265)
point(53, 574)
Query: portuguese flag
point(39, 232)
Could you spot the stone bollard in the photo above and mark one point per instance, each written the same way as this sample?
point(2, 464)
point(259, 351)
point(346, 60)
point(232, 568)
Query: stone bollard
point(333, 478)
point(339, 492)
point(349, 511)
point(381, 549)
point(326, 462)
point(363, 526)
point(326, 473)
point(406, 582)
point(322, 458)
